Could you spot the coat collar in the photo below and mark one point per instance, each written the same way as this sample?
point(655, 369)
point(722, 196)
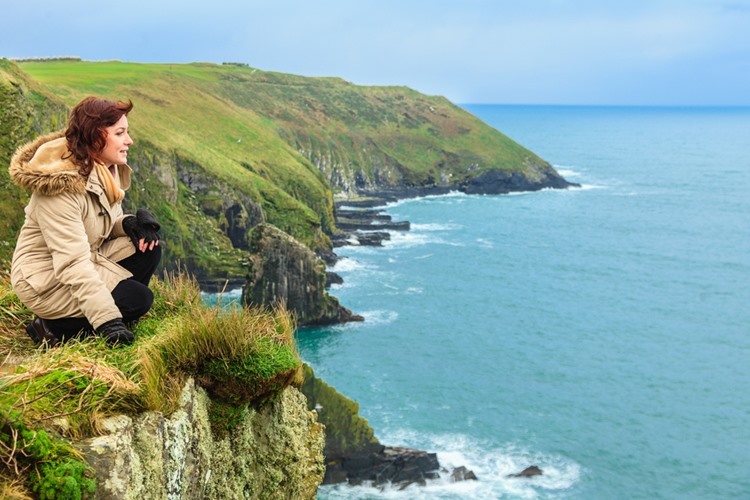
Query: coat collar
point(44, 166)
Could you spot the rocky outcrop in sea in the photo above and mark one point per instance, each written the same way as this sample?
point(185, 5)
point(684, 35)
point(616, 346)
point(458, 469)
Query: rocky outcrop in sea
point(284, 271)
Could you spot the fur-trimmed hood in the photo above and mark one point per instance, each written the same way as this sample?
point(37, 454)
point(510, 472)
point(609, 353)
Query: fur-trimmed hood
point(45, 166)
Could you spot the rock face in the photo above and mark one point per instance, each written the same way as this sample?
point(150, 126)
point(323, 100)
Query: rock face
point(501, 182)
point(272, 452)
point(282, 270)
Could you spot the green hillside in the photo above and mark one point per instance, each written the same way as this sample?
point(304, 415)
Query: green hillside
point(221, 148)
point(180, 108)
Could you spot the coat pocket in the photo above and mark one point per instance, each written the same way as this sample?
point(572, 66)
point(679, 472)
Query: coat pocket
point(110, 272)
point(40, 280)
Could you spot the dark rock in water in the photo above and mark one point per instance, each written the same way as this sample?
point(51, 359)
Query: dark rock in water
point(362, 215)
point(372, 238)
point(369, 238)
point(342, 239)
point(377, 201)
point(328, 257)
point(462, 474)
point(333, 279)
point(501, 182)
point(530, 471)
point(400, 467)
point(345, 316)
point(365, 220)
point(355, 225)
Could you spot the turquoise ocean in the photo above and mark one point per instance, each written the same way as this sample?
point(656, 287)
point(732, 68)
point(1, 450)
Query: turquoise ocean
point(601, 333)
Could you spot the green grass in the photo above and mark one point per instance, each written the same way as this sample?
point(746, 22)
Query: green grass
point(49, 397)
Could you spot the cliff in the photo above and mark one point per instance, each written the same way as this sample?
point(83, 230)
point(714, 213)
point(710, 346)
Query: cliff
point(26, 111)
point(241, 167)
point(221, 148)
point(202, 405)
point(283, 271)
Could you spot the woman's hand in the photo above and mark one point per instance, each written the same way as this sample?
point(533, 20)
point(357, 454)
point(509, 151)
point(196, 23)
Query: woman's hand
point(142, 229)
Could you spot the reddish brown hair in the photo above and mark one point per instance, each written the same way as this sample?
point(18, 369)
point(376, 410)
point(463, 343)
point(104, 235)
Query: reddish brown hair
point(86, 134)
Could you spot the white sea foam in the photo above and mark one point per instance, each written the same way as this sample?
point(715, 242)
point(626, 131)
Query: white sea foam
point(347, 264)
point(425, 256)
point(586, 187)
point(435, 227)
point(226, 299)
point(526, 193)
point(379, 317)
point(451, 196)
point(492, 465)
point(484, 243)
point(567, 171)
point(410, 239)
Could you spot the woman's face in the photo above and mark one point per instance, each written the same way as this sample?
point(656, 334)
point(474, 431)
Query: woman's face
point(115, 151)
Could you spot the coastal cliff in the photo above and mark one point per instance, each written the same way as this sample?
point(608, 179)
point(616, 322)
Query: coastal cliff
point(282, 270)
point(221, 148)
point(204, 404)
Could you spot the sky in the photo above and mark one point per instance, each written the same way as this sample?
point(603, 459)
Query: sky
point(625, 52)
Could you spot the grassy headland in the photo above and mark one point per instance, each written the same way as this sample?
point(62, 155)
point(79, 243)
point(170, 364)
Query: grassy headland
point(220, 148)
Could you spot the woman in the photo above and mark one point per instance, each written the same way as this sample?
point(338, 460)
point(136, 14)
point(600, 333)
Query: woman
point(79, 263)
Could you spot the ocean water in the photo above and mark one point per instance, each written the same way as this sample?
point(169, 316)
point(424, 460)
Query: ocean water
point(601, 333)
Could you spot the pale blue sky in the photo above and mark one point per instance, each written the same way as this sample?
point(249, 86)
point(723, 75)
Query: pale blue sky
point(520, 52)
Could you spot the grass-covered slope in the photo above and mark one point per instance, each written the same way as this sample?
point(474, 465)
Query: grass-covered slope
point(221, 148)
point(373, 138)
point(180, 109)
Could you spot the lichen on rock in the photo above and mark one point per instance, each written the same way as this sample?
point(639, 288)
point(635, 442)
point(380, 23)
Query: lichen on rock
point(275, 451)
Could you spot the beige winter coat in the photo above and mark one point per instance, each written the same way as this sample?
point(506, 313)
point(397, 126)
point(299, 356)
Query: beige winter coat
point(64, 262)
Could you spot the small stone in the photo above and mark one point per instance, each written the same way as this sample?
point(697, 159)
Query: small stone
point(530, 471)
point(462, 474)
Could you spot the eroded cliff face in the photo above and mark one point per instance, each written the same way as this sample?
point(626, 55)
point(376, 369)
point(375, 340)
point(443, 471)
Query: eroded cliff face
point(282, 270)
point(272, 452)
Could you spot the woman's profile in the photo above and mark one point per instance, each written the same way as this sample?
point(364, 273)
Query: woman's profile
point(80, 264)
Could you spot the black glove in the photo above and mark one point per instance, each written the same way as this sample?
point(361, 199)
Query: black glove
point(141, 226)
point(115, 332)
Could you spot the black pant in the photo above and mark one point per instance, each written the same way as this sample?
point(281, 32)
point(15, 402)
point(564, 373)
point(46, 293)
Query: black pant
point(132, 296)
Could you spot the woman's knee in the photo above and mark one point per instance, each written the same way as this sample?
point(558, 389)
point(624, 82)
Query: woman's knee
point(134, 299)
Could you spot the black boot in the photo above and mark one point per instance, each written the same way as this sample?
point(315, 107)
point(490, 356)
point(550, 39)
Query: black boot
point(41, 334)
